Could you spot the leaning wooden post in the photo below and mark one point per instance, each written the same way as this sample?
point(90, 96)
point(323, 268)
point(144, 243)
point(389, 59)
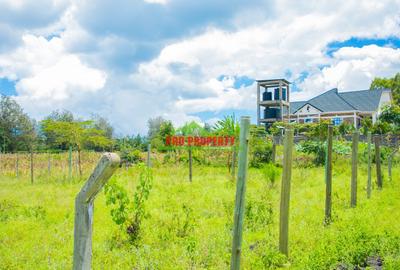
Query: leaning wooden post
point(149, 155)
point(70, 162)
point(285, 192)
point(240, 193)
point(108, 163)
point(369, 181)
point(31, 154)
point(378, 161)
point(354, 161)
point(328, 177)
point(190, 164)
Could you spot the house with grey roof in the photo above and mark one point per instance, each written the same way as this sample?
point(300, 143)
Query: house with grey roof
point(273, 104)
point(350, 107)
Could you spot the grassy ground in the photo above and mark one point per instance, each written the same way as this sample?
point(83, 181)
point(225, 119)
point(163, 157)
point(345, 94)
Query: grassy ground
point(189, 224)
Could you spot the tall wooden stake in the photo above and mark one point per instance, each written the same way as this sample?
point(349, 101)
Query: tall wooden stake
point(49, 163)
point(285, 192)
point(378, 161)
point(233, 164)
point(369, 181)
point(354, 161)
point(273, 150)
point(190, 164)
point(391, 157)
point(31, 165)
point(70, 162)
point(240, 193)
point(17, 165)
point(328, 177)
point(149, 155)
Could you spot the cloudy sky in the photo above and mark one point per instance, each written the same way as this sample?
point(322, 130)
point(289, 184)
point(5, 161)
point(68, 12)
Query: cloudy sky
point(130, 60)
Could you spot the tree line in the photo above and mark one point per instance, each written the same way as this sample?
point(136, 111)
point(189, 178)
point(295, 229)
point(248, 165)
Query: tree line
point(61, 129)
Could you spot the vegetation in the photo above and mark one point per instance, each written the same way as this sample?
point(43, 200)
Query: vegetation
point(188, 225)
point(157, 219)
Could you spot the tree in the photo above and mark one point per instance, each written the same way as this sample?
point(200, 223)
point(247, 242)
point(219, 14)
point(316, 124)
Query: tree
point(159, 129)
point(227, 126)
point(154, 125)
point(76, 133)
point(17, 130)
point(389, 83)
point(50, 137)
point(191, 128)
point(101, 123)
point(391, 116)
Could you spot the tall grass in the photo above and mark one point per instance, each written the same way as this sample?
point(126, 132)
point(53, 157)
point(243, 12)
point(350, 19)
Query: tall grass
point(189, 225)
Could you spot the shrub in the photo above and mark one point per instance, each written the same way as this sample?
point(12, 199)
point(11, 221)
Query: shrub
point(126, 213)
point(130, 155)
point(271, 173)
point(318, 149)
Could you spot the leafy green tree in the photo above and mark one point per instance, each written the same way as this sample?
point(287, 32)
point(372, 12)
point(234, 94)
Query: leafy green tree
point(101, 123)
point(17, 130)
point(76, 133)
point(154, 125)
point(389, 83)
point(228, 126)
point(366, 125)
point(191, 128)
point(345, 128)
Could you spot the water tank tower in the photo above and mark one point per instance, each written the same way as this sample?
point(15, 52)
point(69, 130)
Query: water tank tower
point(272, 101)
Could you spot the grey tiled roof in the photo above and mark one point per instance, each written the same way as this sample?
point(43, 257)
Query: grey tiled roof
point(365, 100)
point(295, 105)
point(333, 101)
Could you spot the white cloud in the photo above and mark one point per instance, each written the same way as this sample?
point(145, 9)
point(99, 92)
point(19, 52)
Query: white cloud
point(162, 2)
point(353, 69)
point(96, 70)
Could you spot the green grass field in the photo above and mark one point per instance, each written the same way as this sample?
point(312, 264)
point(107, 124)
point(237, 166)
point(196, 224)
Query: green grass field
point(189, 224)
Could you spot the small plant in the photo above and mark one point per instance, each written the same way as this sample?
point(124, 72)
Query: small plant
point(271, 173)
point(126, 213)
point(130, 155)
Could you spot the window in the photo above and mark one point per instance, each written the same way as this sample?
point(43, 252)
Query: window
point(308, 120)
point(336, 121)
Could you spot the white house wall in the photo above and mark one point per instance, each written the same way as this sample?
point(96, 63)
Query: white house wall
point(303, 110)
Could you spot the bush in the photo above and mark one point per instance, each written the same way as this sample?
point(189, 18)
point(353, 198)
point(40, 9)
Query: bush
point(271, 173)
point(131, 156)
point(126, 213)
point(318, 149)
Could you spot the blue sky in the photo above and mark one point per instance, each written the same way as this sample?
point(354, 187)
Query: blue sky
point(187, 60)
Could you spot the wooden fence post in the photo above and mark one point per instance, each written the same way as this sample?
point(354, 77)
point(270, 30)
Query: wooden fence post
point(285, 192)
point(354, 161)
point(391, 157)
point(378, 161)
point(190, 164)
point(149, 155)
point(240, 193)
point(70, 162)
point(108, 163)
point(369, 181)
point(17, 165)
point(31, 154)
point(233, 165)
point(49, 164)
point(273, 158)
point(328, 176)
